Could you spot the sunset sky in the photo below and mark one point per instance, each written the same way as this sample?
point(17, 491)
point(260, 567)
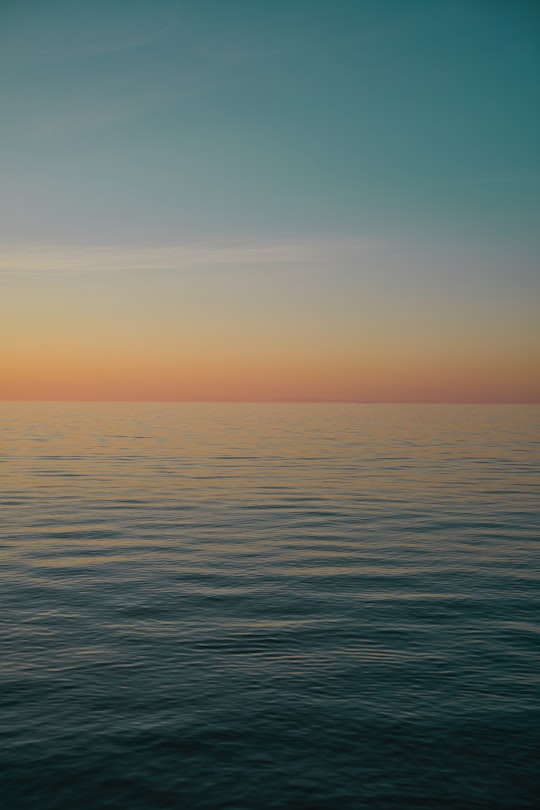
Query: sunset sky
point(283, 200)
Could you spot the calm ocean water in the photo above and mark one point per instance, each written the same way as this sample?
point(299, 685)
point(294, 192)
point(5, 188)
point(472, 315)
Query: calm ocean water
point(269, 606)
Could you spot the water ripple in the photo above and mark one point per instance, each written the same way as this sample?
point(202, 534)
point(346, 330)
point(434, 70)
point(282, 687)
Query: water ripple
point(276, 606)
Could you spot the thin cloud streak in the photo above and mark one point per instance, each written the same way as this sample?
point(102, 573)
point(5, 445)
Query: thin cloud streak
point(179, 257)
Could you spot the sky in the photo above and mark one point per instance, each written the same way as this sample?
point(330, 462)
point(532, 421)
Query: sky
point(312, 200)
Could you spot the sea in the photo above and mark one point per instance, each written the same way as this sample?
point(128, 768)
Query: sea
point(256, 606)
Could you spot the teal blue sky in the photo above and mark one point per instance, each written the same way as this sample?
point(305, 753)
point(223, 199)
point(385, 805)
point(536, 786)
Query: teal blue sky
point(158, 120)
point(371, 166)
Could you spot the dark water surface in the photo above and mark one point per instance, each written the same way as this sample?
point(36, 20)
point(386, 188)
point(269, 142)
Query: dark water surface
point(269, 606)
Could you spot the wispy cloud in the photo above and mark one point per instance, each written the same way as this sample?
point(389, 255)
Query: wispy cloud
point(40, 37)
point(97, 76)
point(182, 257)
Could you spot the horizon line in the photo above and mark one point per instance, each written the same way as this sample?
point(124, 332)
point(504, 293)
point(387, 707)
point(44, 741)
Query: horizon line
point(277, 401)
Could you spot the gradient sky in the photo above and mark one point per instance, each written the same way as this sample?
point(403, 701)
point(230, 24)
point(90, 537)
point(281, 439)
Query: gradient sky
point(299, 200)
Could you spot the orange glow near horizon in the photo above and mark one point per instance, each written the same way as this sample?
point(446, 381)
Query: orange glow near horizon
point(239, 336)
point(77, 373)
